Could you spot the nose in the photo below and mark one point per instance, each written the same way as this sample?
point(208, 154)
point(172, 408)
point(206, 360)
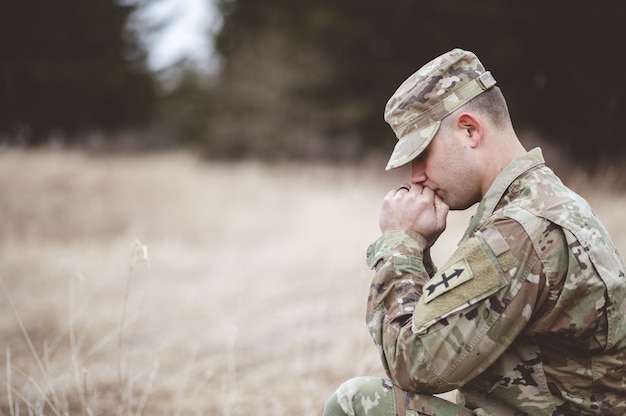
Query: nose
point(418, 171)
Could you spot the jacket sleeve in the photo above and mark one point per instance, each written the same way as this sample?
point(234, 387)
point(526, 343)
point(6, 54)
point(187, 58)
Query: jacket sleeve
point(436, 331)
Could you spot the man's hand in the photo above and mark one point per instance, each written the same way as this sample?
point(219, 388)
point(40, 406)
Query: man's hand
point(417, 208)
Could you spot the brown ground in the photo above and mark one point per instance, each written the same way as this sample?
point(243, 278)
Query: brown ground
point(252, 300)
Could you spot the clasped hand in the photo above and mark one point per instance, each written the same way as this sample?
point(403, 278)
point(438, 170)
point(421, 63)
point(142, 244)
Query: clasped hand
point(418, 209)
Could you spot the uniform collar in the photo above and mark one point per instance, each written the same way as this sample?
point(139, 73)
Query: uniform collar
point(511, 172)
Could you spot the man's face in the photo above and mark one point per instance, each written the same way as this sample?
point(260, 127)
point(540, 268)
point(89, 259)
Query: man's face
point(447, 167)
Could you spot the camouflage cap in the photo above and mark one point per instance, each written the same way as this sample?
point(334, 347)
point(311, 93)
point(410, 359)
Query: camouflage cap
point(416, 109)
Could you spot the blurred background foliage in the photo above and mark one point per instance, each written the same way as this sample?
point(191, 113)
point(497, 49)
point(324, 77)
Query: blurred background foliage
point(307, 80)
point(68, 67)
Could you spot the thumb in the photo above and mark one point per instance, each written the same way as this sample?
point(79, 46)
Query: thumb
point(441, 210)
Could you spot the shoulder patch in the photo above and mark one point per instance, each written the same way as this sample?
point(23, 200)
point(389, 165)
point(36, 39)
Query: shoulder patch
point(457, 274)
point(472, 274)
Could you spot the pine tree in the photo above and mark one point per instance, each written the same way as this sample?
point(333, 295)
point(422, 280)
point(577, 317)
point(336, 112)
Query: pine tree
point(70, 66)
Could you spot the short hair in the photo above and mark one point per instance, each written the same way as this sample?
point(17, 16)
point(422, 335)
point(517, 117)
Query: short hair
point(491, 104)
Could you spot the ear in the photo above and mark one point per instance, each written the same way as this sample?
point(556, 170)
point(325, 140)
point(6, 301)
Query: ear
point(472, 127)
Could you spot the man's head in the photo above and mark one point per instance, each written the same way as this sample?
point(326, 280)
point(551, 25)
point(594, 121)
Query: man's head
point(440, 87)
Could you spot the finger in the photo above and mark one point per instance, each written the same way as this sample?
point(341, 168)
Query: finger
point(428, 192)
point(441, 208)
point(405, 187)
point(416, 187)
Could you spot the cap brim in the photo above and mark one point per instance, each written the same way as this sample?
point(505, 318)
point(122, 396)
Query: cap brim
point(412, 145)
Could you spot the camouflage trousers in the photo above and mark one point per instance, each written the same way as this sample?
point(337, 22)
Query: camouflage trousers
point(373, 396)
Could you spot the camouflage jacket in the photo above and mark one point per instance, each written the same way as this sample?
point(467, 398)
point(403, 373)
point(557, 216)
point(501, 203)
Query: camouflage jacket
point(527, 316)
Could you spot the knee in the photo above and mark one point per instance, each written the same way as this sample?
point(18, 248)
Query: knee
point(361, 396)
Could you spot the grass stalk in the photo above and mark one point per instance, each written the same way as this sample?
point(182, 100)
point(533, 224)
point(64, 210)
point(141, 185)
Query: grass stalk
point(33, 351)
point(79, 376)
point(231, 370)
point(8, 384)
point(139, 253)
point(147, 390)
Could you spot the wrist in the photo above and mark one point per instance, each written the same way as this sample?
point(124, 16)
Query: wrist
point(393, 242)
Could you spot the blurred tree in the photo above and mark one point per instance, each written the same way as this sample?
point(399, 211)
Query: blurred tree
point(305, 76)
point(260, 105)
point(70, 66)
point(181, 115)
point(568, 75)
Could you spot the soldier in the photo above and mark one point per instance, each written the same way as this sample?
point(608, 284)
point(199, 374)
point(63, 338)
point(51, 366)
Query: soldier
point(527, 316)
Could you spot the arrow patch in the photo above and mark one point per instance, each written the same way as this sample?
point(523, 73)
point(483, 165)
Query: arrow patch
point(452, 277)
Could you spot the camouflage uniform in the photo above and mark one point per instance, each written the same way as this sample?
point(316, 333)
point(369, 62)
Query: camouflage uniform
point(527, 315)
point(526, 318)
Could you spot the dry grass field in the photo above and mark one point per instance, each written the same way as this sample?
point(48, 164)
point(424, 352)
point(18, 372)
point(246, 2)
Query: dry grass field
point(162, 285)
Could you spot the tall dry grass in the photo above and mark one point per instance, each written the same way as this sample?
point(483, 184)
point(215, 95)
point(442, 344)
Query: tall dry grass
point(160, 285)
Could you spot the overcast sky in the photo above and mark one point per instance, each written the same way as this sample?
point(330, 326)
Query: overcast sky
point(185, 34)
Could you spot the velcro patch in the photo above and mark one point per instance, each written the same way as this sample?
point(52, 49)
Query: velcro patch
point(473, 271)
point(453, 276)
